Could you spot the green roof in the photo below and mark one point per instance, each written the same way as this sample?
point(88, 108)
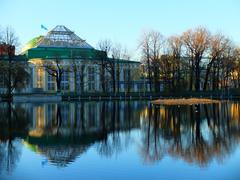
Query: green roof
point(32, 43)
point(63, 53)
point(123, 61)
point(14, 58)
point(69, 53)
point(62, 43)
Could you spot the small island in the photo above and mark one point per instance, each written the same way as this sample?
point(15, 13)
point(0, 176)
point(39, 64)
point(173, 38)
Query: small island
point(184, 101)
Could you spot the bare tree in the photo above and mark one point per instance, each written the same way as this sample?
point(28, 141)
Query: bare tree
point(55, 68)
point(116, 56)
point(15, 73)
point(235, 73)
point(111, 65)
point(74, 64)
point(127, 74)
point(196, 42)
point(8, 36)
point(224, 70)
point(78, 66)
point(106, 47)
point(145, 48)
point(19, 75)
point(151, 45)
point(175, 51)
point(217, 45)
point(82, 75)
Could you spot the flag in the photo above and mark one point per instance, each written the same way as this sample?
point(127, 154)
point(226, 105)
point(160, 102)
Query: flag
point(43, 27)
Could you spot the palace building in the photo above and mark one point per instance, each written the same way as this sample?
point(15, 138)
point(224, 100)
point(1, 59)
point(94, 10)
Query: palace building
point(61, 54)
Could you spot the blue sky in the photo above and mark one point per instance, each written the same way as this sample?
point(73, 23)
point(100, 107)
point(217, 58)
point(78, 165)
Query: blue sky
point(122, 21)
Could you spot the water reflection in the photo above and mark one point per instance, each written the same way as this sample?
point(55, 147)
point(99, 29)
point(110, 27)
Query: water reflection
point(13, 125)
point(198, 134)
point(62, 132)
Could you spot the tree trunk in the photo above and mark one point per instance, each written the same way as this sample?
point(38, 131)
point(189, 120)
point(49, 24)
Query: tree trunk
point(113, 79)
point(149, 74)
point(156, 80)
point(58, 81)
point(218, 75)
point(114, 84)
point(178, 74)
point(197, 74)
point(214, 79)
point(103, 79)
point(82, 79)
point(129, 80)
point(102, 75)
point(191, 76)
point(9, 93)
point(118, 78)
point(209, 67)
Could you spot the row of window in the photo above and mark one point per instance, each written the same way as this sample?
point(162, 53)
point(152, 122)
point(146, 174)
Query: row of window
point(65, 112)
point(65, 85)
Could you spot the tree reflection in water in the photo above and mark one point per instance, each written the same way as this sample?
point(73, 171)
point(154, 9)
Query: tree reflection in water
point(13, 125)
point(119, 124)
point(62, 132)
point(198, 134)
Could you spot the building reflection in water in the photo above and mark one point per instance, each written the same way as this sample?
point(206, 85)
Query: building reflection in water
point(62, 132)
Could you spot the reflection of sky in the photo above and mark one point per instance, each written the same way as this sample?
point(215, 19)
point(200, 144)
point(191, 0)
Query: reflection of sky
point(127, 165)
point(206, 133)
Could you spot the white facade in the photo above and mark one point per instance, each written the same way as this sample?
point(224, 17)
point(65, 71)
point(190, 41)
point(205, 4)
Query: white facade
point(42, 81)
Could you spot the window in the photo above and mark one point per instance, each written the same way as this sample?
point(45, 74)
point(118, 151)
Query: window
point(39, 78)
point(91, 79)
point(65, 81)
point(125, 75)
point(80, 77)
point(51, 83)
point(78, 80)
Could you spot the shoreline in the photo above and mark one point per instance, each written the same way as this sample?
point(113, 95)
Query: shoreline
point(53, 97)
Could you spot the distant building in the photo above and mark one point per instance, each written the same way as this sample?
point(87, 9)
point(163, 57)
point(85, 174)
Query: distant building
point(6, 50)
point(81, 63)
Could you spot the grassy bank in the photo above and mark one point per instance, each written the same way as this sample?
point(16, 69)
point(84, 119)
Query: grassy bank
point(183, 101)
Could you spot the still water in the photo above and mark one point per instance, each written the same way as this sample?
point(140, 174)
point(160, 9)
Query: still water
point(119, 140)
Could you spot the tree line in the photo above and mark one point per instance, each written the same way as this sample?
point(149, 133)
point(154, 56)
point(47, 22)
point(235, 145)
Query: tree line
point(14, 74)
point(193, 61)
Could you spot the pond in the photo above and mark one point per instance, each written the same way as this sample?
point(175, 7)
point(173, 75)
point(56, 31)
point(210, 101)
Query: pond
point(119, 140)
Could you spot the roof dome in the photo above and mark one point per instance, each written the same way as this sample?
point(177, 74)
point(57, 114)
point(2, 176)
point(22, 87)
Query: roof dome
point(60, 36)
point(32, 43)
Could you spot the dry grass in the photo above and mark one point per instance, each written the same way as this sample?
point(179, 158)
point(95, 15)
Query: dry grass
point(183, 101)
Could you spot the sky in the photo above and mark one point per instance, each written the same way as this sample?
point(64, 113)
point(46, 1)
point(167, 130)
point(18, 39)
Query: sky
point(122, 21)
